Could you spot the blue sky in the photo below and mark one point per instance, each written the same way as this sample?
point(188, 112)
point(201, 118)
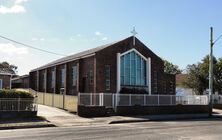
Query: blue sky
point(176, 30)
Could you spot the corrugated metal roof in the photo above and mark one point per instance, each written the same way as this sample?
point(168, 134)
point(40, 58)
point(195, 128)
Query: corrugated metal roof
point(20, 77)
point(5, 72)
point(78, 55)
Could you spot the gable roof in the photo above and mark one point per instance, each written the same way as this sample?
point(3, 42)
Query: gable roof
point(4, 73)
point(84, 54)
point(20, 77)
point(79, 55)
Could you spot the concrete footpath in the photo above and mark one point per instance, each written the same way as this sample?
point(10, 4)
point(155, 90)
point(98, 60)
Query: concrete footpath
point(60, 117)
point(21, 123)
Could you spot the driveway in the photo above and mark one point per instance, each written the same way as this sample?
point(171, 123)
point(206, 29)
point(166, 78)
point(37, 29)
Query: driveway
point(61, 117)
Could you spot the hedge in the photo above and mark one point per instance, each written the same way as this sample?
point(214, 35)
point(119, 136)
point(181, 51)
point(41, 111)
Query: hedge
point(5, 93)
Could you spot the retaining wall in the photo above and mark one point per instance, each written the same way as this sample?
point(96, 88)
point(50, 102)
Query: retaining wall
point(100, 111)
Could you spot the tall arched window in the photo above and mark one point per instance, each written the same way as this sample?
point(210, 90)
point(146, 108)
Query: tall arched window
point(133, 69)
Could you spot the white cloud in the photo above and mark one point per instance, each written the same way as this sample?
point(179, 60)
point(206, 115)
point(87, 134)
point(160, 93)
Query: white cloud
point(20, 1)
point(104, 38)
point(10, 49)
point(98, 33)
point(16, 8)
point(13, 9)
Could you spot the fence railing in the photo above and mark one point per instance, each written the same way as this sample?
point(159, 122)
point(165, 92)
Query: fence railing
point(113, 100)
point(217, 99)
point(18, 104)
point(67, 102)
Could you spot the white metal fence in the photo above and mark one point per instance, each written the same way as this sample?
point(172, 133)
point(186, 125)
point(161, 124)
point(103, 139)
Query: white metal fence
point(18, 104)
point(112, 100)
point(217, 99)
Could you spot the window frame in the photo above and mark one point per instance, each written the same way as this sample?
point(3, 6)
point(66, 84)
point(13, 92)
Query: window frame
point(74, 75)
point(53, 79)
point(91, 77)
point(107, 77)
point(1, 84)
point(62, 77)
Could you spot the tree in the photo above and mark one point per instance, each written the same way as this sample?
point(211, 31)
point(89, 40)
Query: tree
point(170, 68)
point(195, 79)
point(198, 75)
point(218, 76)
point(6, 67)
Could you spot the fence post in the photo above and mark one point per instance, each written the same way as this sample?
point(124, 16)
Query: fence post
point(130, 100)
point(158, 100)
point(90, 99)
point(18, 104)
point(117, 103)
point(102, 99)
point(171, 103)
point(113, 100)
point(144, 99)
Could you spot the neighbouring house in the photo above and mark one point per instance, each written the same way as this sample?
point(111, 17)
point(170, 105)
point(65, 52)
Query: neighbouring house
point(5, 80)
point(20, 81)
point(180, 88)
point(108, 68)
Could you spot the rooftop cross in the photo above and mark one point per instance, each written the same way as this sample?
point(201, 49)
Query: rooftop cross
point(134, 35)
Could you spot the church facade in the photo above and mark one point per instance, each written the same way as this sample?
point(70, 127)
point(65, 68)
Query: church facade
point(125, 66)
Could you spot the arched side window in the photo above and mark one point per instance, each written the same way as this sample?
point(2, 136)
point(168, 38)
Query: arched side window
point(133, 69)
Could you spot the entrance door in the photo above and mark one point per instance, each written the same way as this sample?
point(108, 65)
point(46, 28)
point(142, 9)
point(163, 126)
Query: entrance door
point(0, 83)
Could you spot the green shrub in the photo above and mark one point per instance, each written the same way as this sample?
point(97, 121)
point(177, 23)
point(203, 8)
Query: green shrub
point(5, 93)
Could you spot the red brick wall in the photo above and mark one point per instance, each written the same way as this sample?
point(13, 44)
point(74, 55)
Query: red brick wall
point(71, 90)
point(108, 56)
point(85, 66)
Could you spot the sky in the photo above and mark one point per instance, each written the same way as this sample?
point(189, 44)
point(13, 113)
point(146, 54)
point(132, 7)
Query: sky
point(176, 30)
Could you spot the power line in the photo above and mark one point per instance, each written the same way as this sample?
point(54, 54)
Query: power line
point(29, 46)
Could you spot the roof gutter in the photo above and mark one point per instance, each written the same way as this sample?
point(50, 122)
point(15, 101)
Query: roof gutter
point(66, 61)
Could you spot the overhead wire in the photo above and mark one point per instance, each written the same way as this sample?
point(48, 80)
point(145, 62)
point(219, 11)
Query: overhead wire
point(29, 46)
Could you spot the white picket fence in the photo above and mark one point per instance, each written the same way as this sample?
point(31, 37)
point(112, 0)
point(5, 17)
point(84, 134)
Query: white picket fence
point(18, 104)
point(113, 100)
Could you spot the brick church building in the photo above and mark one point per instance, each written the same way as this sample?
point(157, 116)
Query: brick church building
point(125, 65)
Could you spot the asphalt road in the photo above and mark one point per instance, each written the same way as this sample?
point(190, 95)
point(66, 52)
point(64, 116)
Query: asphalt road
point(209, 129)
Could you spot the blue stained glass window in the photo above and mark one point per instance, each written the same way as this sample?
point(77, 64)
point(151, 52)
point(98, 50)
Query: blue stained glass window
point(133, 69)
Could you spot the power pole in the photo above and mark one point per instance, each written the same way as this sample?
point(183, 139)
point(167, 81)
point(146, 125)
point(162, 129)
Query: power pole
point(211, 72)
